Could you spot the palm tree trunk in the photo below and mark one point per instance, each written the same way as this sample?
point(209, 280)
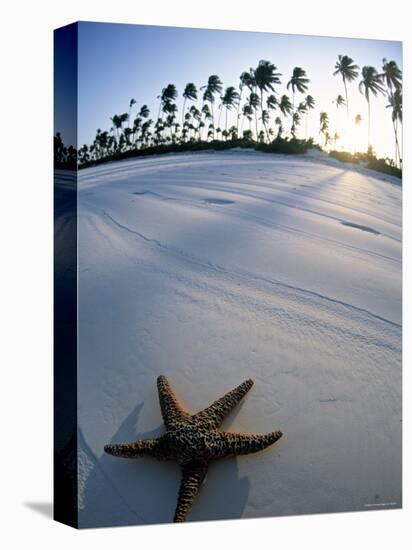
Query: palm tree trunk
point(256, 122)
point(369, 124)
point(183, 114)
point(397, 152)
point(399, 145)
point(346, 96)
point(226, 123)
point(267, 132)
point(261, 110)
point(220, 114)
point(238, 114)
point(336, 126)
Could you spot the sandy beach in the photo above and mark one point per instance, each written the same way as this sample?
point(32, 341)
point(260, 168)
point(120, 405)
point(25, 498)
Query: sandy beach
point(212, 268)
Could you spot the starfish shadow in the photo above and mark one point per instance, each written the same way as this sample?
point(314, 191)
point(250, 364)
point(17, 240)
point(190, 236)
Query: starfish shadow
point(128, 491)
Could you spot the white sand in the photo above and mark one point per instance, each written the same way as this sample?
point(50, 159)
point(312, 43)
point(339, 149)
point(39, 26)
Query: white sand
point(215, 267)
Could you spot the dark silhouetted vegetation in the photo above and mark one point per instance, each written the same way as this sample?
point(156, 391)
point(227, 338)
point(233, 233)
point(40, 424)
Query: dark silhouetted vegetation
point(278, 145)
point(369, 160)
point(64, 157)
point(266, 119)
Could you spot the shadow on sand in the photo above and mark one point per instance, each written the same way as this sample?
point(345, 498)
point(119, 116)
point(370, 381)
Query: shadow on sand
point(117, 491)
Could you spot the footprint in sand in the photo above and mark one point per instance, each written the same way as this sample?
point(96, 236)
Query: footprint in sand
point(218, 201)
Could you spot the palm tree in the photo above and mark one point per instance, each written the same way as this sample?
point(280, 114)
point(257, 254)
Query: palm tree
point(127, 133)
point(299, 82)
point(245, 80)
point(103, 142)
point(214, 86)
point(96, 141)
point(301, 108)
point(254, 105)
point(196, 116)
point(117, 124)
point(271, 105)
point(395, 103)
point(345, 66)
point(189, 93)
point(199, 127)
point(131, 103)
point(278, 122)
point(229, 99)
point(310, 104)
point(232, 132)
point(285, 106)
point(247, 135)
point(168, 95)
point(248, 79)
point(206, 113)
point(123, 118)
point(84, 154)
point(136, 126)
point(146, 134)
point(271, 102)
point(144, 111)
point(265, 119)
point(391, 75)
point(339, 102)
point(261, 136)
point(324, 126)
point(247, 112)
point(170, 110)
point(358, 121)
point(371, 83)
point(295, 123)
point(265, 78)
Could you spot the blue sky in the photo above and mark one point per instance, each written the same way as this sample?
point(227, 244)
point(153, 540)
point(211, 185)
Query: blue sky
point(118, 62)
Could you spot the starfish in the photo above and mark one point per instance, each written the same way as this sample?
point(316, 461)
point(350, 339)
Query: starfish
point(193, 441)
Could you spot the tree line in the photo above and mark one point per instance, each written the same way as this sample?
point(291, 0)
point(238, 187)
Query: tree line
point(262, 113)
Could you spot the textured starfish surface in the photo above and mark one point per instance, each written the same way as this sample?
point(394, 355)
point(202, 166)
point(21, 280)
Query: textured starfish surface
point(193, 441)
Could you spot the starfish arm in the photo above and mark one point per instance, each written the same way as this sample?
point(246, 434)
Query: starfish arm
point(134, 449)
point(172, 413)
point(232, 444)
point(192, 479)
point(214, 415)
